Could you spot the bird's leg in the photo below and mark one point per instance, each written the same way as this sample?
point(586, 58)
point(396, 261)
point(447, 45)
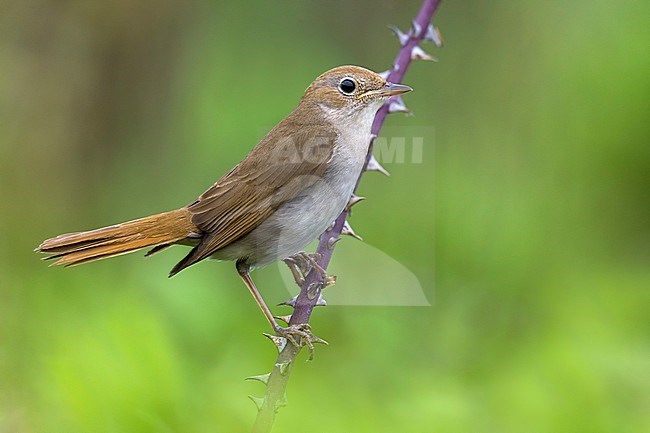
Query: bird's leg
point(301, 331)
point(243, 271)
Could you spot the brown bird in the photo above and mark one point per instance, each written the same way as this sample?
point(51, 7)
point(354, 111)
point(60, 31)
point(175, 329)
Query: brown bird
point(279, 198)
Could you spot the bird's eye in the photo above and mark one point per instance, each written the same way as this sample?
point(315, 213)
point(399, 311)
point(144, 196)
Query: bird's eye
point(347, 86)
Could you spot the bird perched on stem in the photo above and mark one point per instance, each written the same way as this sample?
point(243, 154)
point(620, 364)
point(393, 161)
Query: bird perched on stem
point(279, 198)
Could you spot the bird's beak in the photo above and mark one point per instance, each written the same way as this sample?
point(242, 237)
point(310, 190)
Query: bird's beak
point(391, 89)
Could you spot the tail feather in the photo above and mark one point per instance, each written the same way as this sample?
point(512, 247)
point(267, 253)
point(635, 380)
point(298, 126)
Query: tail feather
point(154, 231)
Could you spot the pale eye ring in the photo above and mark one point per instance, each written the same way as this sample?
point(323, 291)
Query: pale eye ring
point(347, 86)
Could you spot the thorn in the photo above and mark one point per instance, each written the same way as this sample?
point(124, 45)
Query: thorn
point(279, 342)
point(289, 302)
point(418, 53)
point(396, 105)
point(264, 378)
point(383, 75)
point(315, 340)
point(283, 367)
point(355, 199)
point(433, 34)
point(285, 319)
point(313, 290)
point(402, 37)
point(374, 165)
point(329, 281)
point(331, 242)
point(292, 303)
point(347, 230)
point(417, 29)
point(259, 401)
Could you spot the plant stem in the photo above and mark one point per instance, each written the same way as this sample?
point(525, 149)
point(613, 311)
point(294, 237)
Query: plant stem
point(307, 299)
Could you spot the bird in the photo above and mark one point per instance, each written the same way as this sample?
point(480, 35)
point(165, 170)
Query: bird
point(286, 192)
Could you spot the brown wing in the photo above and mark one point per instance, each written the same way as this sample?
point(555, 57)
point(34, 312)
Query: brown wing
point(289, 159)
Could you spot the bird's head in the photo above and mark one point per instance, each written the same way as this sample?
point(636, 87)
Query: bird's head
point(351, 91)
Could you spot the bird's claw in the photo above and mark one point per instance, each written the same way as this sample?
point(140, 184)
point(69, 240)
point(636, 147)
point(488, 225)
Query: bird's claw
point(300, 335)
point(302, 264)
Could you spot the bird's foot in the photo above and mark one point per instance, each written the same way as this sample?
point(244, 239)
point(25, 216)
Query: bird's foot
point(302, 264)
point(299, 335)
point(296, 270)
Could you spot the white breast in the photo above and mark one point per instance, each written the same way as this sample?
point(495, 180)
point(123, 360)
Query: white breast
point(296, 223)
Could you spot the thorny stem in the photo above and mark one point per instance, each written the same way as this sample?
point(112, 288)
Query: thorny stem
point(274, 397)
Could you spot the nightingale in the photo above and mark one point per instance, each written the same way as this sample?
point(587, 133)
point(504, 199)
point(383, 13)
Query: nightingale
point(281, 196)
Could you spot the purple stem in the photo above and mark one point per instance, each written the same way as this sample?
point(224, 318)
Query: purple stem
point(304, 305)
point(276, 381)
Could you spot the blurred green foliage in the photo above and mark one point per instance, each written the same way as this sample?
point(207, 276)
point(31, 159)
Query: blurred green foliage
point(526, 223)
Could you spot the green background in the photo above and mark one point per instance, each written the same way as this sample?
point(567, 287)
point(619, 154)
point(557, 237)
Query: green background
point(526, 224)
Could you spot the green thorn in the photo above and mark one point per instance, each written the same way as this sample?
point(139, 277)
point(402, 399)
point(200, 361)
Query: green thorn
point(284, 367)
point(279, 342)
point(264, 378)
point(259, 401)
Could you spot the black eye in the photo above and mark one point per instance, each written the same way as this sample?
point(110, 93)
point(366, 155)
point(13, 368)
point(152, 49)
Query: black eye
point(347, 86)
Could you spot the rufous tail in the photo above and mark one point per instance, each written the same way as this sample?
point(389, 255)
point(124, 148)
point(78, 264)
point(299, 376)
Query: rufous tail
point(156, 231)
